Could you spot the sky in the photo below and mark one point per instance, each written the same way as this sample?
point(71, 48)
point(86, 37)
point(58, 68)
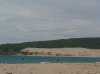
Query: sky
point(38, 20)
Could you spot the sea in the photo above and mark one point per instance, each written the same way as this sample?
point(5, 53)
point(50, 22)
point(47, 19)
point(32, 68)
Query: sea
point(8, 59)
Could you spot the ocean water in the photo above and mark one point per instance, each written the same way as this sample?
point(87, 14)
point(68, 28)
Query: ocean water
point(7, 59)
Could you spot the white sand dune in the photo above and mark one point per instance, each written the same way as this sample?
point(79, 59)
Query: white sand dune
point(62, 52)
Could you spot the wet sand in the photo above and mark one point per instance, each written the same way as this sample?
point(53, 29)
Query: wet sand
point(51, 68)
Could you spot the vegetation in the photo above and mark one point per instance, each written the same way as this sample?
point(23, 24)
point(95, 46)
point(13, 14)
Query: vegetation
point(74, 42)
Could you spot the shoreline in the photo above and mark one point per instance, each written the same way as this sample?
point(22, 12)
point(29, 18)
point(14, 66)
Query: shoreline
point(52, 56)
point(54, 68)
point(58, 52)
point(62, 52)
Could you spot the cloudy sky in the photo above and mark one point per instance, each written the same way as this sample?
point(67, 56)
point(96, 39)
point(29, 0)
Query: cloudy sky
point(34, 20)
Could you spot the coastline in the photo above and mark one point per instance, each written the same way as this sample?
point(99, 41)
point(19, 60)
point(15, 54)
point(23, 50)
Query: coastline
point(61, 52)
point(58, 52)
point(52, 56)
point(54, 68)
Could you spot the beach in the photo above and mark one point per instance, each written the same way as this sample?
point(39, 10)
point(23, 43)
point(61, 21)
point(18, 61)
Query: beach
point(75, 52)
point(55, 68)
point(51, 68)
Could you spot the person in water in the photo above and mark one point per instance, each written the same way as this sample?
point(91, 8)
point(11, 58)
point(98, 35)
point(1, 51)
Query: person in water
point(57, 60)
point(22, 58)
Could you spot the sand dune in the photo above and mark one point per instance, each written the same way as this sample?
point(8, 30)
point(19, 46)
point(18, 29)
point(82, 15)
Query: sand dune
point(62, 52)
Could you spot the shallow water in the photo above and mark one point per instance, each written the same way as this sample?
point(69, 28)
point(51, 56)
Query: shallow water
point(37, 59)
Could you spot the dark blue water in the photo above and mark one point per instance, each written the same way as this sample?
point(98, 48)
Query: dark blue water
point(37, 59)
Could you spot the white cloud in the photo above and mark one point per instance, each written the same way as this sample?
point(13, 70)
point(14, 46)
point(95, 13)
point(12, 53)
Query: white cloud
point(30, 20)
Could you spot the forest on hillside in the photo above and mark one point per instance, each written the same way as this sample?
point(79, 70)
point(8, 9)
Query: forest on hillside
point(93, 43)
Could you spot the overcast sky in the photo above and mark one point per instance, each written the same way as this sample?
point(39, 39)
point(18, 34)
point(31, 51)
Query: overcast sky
point(34, 20)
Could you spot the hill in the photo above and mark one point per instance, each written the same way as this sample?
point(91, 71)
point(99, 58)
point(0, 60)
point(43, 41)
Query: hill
point(93, 43)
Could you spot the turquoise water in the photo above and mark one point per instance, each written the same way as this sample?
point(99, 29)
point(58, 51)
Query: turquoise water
point(37, 59)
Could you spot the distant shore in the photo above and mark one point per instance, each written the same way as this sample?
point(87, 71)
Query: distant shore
point(62, 52)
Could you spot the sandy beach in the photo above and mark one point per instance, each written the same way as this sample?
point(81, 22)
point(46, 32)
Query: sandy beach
point(51, 68)
point(81, 52)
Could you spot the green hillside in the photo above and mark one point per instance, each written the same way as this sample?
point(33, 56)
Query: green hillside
point(74, 42)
